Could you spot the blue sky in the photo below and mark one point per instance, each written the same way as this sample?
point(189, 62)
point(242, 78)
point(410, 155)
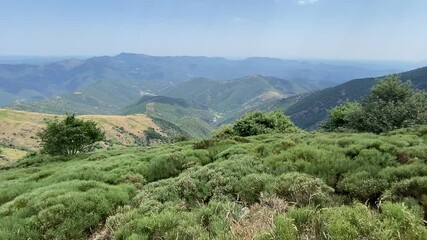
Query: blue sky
point(320, 29)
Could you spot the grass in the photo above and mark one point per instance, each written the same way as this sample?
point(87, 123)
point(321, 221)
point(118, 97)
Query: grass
point(11, 153)
point(18, 129)
point(274, 186)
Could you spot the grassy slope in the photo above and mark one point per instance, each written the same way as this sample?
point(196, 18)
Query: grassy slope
point(18, 128)
point(213, 192)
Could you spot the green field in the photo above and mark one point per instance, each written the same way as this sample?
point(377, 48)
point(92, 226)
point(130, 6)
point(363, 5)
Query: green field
point(275, 186)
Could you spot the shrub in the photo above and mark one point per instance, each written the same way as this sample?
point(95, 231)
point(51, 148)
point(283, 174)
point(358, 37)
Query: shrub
point(66, 210)
point(165, 166)
point(390, 105)
point(255, 123)
point(69, 136)
point(348, 222)
point(302, 189)
point(363, 186)
point(251, 186)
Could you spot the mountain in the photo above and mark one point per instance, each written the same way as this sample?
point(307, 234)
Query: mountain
point(226, 96)
point(311, 109)
point(199, 105)
point(192, 118)
point(136, 73)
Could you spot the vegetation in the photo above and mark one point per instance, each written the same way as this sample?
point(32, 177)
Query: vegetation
point(297, 185)
point(312, 109)
point(18, 130)
point(69, 136)
point(390, 105)
point(255, 123)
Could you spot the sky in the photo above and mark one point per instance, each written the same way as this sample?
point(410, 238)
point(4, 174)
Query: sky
point(292, 29)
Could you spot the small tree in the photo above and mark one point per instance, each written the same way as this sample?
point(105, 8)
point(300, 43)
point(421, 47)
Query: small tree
point(391, 104)
point(254, 123)
point(69, 136)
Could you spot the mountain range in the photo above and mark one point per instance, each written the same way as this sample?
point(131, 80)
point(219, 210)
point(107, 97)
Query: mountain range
point(136, 73)
point(191, 95)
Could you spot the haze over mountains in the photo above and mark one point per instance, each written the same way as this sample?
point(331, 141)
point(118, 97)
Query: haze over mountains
point(197, 94)
point(139, 72)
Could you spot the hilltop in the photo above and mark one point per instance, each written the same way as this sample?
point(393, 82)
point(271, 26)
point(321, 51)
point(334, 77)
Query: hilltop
point(18, 129)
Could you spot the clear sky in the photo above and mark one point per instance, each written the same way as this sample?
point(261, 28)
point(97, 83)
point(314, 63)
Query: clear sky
point(322, 29)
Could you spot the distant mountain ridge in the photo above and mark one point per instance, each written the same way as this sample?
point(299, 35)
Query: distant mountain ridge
point(139, 72)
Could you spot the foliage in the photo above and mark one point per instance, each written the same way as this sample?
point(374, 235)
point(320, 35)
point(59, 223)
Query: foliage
point(69, 136)
point(390, 105)
point(304, 185)
point(302, 189)
point(338, 117)
point(255, 123)
point(151, 135)
point(311, 109)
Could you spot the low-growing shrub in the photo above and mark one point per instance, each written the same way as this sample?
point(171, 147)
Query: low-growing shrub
point(302, 189)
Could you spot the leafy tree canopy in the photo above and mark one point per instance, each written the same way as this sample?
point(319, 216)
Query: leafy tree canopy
point(255, 123)
point(391, 104)
point(69, 136)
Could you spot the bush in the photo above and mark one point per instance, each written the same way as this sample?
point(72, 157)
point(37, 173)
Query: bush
point(69, 136)
point(251, 186)
point(390, 105)
point(255, 123)
point(363, 186)
point(302, 189)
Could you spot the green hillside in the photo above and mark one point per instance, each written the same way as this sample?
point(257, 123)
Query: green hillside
point(277, 186)
point(312, 108)
point(194, 120)
point(232, 95)
point(30, 83)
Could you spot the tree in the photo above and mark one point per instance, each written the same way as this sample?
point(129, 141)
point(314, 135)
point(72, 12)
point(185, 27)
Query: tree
point(69, 136)
point(254, 123)
point(391, 104)
point(339, 117)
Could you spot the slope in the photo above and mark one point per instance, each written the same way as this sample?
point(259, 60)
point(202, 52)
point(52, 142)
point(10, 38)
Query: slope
point(187, 115)
point(233, 95)
point(311, 109)
point(18, 129)
point(293, 186)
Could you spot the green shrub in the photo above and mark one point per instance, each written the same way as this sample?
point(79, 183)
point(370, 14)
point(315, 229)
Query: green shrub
point(302, 189)
point(165, 166)
point(255, 123)
point(342, 223)
point(390, 105)
point(251, 186)
point(363, 186)
point(69, 136)
point(65, 210)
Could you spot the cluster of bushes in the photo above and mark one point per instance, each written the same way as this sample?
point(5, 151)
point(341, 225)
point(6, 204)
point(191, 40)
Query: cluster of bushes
point(255, 123)
point(298, 185)
point(391, 105)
